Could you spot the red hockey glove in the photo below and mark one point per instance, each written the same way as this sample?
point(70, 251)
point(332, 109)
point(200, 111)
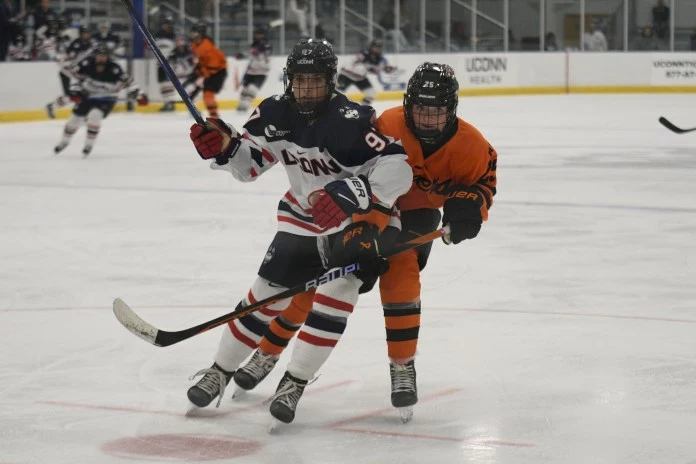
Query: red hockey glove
point(462, 212)
point(339, 199)
point(76, 94)
point(142, 100)
point(215, 140)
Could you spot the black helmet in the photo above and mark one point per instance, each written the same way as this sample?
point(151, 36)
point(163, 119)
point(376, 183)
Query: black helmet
point(200, 28)
point(101, 49)
point(375, 43)
point(83, 30)
point(432, 84)
point(311, 56)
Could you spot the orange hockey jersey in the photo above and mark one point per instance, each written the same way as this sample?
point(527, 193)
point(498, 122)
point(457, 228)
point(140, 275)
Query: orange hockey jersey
point(210, 58)
point(467, 158)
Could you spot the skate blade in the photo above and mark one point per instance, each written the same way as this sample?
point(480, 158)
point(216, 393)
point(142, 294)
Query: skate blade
point(274, 425)
point(192, 409)
point(238, 392)
point(406, 414)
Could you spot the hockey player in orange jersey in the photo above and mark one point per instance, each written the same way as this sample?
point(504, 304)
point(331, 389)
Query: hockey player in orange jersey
point(211, 67)
point(454, 168)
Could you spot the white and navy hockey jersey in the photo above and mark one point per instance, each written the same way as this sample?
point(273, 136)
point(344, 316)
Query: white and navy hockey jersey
point(340, 144)
point(104, 85)
point(74, 53)
point(259, 58)
point(165, 41)
point(112, 42)
point(364, 63)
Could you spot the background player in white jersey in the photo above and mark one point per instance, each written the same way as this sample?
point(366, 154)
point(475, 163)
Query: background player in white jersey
point(164, 39)
point(367, 61)
point(257, 70)
point(19, 48)
point(183, 62)
point(112, 41)
point(344, 178)
point(98, 81)
point(76, 51)
point(46, 40)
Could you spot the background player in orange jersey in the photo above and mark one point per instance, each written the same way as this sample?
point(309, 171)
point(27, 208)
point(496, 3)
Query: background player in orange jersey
point(454, 168)
point(211, 67)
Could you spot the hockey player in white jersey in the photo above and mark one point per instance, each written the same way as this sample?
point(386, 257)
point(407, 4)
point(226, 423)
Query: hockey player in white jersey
point(257, 70)
point(75, 52)
point(344, 178)
point(367, 61)
point(112, 41)
point(98, 81)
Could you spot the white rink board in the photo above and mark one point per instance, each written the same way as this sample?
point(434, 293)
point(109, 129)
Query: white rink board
point(29, 86)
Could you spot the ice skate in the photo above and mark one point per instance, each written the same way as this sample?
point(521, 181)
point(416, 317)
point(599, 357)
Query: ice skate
point(287, 395)
point(215, 380)
point(51, 111)
point(86, 151)
point(60, 147)
point(168, 107)
point(253, 372)
point(404, 392)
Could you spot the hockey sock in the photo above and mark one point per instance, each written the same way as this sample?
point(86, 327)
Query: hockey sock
point(71, 127)
point(402, 322)
point(284, 327)
point(94, 119)
point(242, 336)
point(324, 326)
point(167, 91)
point(210, 103)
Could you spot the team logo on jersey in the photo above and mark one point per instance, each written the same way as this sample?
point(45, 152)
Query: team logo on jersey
point(269, 254)
point(316, 167)
point(271, 132)
point(349, 113)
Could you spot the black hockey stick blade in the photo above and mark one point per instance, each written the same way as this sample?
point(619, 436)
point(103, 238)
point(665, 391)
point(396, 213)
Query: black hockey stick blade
point(151, 334)
point(665, 122)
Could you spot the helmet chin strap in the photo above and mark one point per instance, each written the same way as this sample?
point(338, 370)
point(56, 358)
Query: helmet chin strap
point(428, 136)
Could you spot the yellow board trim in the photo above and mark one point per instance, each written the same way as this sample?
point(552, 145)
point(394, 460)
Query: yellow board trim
point(40, 115)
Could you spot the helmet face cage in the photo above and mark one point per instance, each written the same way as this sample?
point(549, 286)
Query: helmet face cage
point(311, 56)
point(432, 84)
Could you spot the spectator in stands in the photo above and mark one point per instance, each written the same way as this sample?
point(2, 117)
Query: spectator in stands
point(298, 12)
point(693, 40)
point(596, 41)
point(660, 15)
point(647, 41)
point(550, 44)
point(42, 15)
point(460, 36)
point(6, 14)
point(512, 41)
point(393, 33)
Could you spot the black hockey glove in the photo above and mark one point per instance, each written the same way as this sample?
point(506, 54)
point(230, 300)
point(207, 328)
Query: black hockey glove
point(386, 241)
point(462, 212)
point(340, 199)
point(358, 243)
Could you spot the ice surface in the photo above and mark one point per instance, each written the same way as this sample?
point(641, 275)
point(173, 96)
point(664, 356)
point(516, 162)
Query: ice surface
point(565, 333)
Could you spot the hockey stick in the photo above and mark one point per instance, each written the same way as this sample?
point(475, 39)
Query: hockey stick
point(165, 65)
point(157, 337)
point(674, 128)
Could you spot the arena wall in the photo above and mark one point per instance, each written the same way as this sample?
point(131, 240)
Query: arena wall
point(28, 87)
